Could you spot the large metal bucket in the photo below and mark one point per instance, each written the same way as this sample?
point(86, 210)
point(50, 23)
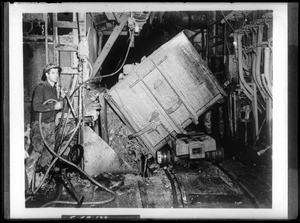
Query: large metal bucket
point(165, 93)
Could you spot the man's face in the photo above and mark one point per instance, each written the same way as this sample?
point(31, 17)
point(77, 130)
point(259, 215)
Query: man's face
point(52, 75)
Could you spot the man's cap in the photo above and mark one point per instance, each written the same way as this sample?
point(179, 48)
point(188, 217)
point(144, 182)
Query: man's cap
point(50, 66)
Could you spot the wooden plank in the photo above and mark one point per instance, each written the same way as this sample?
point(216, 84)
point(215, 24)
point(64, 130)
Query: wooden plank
point(82, 24)
point(103, 119)
point(55, 52)
point(65, 24)
point(110, 16)
point(75, 41)
point(69, 70)
point(67, 47)
point(108, 32)
point(46, 37)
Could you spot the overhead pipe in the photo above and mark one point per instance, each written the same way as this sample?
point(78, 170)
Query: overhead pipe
point(254, 102)
point(269, 90)
point(254, 111)
point(254, 57)
point(258, 60)
point(244, 85)
point(266, 78)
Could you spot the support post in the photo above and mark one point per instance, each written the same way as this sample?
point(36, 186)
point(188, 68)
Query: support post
point(255, 113)
point(214, 32)
point(234, 114)
point(269, 119)
point(46, 37)
point(103, 119)
point(202, 44)
point(55, 51)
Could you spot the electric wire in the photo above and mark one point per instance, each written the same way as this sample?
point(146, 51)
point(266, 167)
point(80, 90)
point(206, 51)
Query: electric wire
point(109, 75)
point(102, 76)
point(123, 53)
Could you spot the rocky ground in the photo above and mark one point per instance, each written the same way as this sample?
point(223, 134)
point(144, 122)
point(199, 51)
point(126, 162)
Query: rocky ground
point(130, 150)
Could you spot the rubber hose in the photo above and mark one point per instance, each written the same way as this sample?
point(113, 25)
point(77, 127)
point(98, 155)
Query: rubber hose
point(70, 163)
point(66, 161)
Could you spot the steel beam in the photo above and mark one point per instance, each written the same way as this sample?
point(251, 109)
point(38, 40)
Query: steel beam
point(46, 37)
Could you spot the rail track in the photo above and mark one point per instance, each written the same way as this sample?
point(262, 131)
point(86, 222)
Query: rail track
point(213, 185)
point(198, 184)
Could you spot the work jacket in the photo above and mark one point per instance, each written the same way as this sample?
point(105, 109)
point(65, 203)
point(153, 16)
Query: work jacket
point(43, 92)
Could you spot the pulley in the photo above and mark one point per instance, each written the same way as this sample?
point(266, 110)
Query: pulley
point(163, 157)
point(217, 155)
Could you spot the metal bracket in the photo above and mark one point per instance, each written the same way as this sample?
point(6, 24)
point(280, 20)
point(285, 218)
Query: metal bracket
point(149, 128)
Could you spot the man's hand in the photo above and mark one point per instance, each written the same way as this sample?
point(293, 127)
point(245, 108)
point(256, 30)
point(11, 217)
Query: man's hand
point(63, 92)
point(58, 105)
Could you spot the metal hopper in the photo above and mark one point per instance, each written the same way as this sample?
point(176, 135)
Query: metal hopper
point(165, 93)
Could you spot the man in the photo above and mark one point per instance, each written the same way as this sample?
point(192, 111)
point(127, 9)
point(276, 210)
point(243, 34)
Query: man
point(44, 91)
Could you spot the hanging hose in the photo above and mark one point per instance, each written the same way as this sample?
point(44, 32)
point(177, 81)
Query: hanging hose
point(70, 163)
point(265, 76)
point(103, 76)
point(109, 75)
point(61, 141)
point(60, 153)
point(258, 61)
point(244, 85)
point(266, 87)
point(63, 122)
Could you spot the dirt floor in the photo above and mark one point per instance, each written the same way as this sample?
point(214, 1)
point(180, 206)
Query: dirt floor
point(200, 184)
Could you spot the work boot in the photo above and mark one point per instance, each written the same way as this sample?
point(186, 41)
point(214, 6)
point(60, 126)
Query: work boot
point(30, 166)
